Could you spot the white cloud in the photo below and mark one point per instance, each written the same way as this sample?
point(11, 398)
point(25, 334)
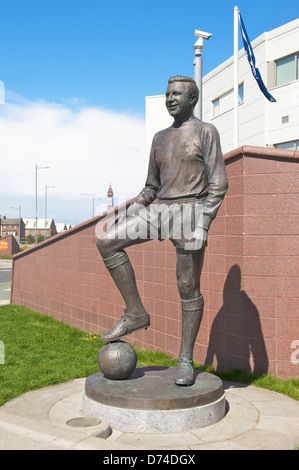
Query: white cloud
point(86, 149)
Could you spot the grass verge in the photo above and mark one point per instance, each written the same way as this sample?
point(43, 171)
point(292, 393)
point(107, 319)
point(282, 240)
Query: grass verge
point(40, 351)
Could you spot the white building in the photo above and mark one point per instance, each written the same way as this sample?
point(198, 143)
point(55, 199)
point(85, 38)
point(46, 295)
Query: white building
point(261, 122)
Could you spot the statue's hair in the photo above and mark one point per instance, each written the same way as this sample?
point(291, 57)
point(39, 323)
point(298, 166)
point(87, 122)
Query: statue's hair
point(192, 87)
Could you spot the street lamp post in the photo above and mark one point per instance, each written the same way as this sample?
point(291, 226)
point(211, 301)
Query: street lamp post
point(201, 35)
point(37, 168)
point(46, 197)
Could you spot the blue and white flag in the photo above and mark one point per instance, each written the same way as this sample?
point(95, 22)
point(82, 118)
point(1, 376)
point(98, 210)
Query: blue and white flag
point(251, 60)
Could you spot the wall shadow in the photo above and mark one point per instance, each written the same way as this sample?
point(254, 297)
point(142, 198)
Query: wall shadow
point(236, 332)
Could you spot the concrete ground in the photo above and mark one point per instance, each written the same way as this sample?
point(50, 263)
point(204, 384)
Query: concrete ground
point(256, 419)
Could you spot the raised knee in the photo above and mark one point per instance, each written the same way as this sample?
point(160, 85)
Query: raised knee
point(105, 246)
point(186, 287)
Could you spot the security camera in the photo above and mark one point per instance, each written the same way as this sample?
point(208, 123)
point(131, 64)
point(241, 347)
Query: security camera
point(202, 34)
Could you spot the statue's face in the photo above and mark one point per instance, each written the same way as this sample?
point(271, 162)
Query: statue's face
point(178, 102)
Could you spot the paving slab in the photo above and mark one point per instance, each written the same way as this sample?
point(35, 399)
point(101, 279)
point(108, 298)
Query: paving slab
point(260, 439)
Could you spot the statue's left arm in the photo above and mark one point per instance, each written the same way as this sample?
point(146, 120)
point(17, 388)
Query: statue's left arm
point(217, 186)
point(216, 172)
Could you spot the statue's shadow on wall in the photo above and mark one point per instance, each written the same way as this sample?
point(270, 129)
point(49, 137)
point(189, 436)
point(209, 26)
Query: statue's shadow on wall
point(236, 338)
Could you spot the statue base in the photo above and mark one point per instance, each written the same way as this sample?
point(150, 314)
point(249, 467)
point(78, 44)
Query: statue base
point(150, 402)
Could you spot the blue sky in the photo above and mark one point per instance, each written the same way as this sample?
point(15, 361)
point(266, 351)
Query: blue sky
point(69, 64)
point(113, 54)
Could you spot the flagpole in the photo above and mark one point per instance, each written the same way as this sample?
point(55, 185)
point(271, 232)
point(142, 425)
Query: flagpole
point(236, 77)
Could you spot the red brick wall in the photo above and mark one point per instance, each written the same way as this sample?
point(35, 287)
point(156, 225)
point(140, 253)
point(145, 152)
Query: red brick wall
point(249, 279)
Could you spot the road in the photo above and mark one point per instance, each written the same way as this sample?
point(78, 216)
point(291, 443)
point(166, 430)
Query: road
point(5, 281)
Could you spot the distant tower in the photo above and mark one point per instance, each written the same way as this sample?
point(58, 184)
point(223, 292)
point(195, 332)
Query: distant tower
point(110, 199)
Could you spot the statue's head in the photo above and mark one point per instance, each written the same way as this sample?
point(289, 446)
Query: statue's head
point(190, 84)
point(181, 95)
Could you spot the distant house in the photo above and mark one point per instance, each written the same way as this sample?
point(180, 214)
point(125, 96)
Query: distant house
point(61, 227)
point(15, 227)
point(45, 227)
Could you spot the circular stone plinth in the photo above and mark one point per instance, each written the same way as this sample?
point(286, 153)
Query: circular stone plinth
point(149, 401)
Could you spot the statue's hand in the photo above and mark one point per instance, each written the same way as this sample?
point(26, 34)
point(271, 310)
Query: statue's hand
point(199, 240)
point(131, 211)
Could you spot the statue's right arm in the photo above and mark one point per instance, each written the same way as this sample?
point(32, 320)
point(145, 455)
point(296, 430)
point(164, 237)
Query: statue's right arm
point(152, 184)
point(148, 194)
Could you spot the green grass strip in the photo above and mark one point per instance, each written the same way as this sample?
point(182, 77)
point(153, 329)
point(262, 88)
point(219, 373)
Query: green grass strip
point(40, 351)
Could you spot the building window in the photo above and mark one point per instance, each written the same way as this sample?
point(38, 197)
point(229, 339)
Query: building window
point(241, 93)
point(287, 69)
point(293, 145)
point(216, 107)
point(225, 102)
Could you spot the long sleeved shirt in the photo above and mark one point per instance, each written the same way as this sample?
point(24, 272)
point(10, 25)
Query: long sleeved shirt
point(186, 162)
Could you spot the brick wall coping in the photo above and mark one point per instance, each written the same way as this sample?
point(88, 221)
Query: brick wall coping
point(244, 151)
point(261, 152)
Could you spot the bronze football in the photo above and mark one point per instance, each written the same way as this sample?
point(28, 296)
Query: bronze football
point(117, 360)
